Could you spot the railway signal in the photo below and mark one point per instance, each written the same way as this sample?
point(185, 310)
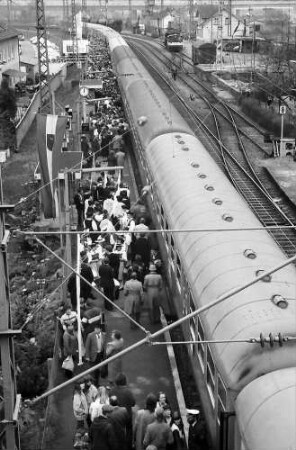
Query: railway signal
point(282, 111)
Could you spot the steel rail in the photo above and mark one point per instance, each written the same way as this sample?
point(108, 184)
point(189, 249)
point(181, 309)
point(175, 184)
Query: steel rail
point(286, 242)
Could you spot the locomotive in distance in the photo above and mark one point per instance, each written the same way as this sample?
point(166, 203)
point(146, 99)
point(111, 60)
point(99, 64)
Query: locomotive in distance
point(247, 390)
point(173, 40)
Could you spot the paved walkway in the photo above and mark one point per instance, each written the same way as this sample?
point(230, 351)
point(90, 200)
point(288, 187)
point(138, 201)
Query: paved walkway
point(147, 369)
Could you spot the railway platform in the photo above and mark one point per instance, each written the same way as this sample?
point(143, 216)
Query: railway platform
point(283, 172)
point(147, 369)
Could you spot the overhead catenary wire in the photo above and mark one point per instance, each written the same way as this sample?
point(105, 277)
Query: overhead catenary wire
point(159, 230)
point(148, 338)
point(251, 340)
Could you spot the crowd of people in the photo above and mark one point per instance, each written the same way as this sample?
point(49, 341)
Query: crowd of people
point(116, 255)
point(115, 422)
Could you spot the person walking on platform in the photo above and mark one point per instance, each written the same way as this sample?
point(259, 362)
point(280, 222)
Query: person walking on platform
point(125, 398)
point(85, 288)
point(95, 409)
point(133, 291)
point(95, 349)
point(120, 158)
point(80, 408)
point(153, 286)
point(70, 346)
point(196, 432)
point(91, 393)
point(177, 428)
point(102, 434)
point(119, 418)
point(142, 247)
point(113, 347)
point(143, 418)
point(158, 433)
point(107, 282)
point(79, 203)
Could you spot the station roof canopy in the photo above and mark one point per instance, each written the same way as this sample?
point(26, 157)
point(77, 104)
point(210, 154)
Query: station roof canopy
point(94, 83)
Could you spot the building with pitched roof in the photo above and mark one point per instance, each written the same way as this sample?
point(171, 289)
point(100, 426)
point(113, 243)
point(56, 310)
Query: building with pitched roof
point(9, 55)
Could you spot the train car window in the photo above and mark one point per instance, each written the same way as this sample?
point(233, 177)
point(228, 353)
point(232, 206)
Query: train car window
point(201, 348)
point(211, 376)
point(222, 393)
point(193, 326)
point(179, 267)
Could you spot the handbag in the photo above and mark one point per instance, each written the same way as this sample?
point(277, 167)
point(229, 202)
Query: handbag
point(68, 364)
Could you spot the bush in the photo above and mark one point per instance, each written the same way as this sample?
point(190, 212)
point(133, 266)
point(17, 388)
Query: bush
point(266, 118)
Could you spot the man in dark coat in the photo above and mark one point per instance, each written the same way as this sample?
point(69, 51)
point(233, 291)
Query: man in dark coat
point(95, 349)
point(106, 274)
point(120, 420)
point(85, 289)
point(125, 398)
point(142, 247)
point(196, 432)
point(79, 203)
point(102, 434)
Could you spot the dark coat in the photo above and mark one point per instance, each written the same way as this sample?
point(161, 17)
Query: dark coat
point(125, 398)
point(79, 201)
point(85, 289)
point(142, 247)
point(102, 435)
point(91, 345)
point(70, 344)
point(106, 276)
point(120, 421)
point(196, 436)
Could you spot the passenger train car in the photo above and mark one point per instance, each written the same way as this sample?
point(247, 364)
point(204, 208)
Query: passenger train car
point(248, 391)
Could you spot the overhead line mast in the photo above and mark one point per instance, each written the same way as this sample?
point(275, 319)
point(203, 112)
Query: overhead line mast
point(43, 61)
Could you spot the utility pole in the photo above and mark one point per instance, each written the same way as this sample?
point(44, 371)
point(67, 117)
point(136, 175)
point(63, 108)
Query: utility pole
point(220, 31)
point(9, 436)
point(43, 61)
point(66, 15)
point(74, 32)
point(190, 6)
point(230, 18)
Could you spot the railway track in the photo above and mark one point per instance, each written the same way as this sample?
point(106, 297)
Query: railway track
point(217, 125)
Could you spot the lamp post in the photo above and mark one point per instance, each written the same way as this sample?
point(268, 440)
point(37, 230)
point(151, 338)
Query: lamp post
point(282, 113)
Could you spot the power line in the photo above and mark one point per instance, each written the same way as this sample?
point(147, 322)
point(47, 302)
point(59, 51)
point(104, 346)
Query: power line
point(147, 339)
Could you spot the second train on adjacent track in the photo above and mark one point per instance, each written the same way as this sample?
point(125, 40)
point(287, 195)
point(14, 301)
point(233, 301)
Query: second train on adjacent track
point(248, 390)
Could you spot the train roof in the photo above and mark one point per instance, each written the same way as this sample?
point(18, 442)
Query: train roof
point(190, 188)
point(266, 411)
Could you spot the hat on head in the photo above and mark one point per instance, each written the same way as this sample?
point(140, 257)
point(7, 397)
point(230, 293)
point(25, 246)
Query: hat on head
point(152, 268)
point(193, 412)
